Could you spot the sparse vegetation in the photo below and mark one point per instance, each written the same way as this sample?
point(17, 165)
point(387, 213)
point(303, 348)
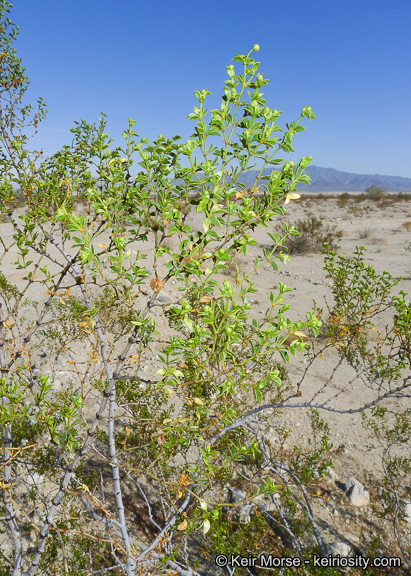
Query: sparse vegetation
point(364, 232)
point(313, 233)
point(378, 240)
point(375, 192)
point(343, 199)
point(356, 211)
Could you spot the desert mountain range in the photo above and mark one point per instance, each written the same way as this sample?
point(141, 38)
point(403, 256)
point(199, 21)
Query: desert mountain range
point(331, 180)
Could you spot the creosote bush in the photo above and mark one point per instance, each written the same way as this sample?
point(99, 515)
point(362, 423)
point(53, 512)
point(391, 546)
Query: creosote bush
point(166, 415)
point(375, 192)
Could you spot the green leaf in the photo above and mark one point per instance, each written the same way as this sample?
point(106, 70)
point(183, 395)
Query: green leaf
point(305, 161)
point(188, 323)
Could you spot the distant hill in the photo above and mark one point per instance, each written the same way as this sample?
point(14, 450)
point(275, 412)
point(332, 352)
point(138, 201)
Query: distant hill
point(331, 180)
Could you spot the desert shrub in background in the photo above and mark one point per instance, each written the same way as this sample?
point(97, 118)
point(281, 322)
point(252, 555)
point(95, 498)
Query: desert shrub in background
point(343, 199)
point(124, 470)
point(375, 192)
point(355, 210)
point(387, 201)
point(308, 235)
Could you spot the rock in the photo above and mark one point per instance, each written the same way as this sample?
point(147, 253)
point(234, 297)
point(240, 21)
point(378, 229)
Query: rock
point(164, 298)
point(245, 512)
point(367, 537)
point(407, 512)
point(235, 495)
point(341, 548)
point(331, 474)
point(309, 540)
point(265, 503)
point(262, 502)
point(356, 492)
point(34, 479)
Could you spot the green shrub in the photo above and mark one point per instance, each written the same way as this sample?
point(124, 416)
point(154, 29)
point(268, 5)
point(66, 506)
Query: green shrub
point(375, 192)
point(166, 401)
point(343, 199)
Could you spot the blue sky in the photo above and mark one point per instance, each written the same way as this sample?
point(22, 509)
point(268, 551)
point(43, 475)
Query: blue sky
point(349, 60)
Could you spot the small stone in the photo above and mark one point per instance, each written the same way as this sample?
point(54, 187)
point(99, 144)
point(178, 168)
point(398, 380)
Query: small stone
point(331, 475)
point(367, 537)
point(244, 513)
point(356, 493)
point(407, 512)
point(341, 548)
point(264, 503)
point(164, 298)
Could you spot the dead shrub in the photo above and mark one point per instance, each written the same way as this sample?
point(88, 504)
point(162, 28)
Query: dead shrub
point(407, 226)
point(364, 232)
point(378, 240)
point(313, 233)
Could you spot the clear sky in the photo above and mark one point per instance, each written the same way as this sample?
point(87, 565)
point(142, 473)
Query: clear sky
point(350, 60)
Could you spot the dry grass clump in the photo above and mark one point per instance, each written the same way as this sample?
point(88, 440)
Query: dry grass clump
point(378, 240)
point(313, 233)
point(407, 226)
point(364, 232)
